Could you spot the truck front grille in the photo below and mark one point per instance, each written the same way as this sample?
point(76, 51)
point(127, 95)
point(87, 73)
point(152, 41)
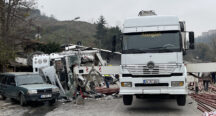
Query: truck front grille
point(159, 69)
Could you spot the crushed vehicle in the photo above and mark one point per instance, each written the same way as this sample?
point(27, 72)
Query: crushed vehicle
point(78, 71)
point(27, 87)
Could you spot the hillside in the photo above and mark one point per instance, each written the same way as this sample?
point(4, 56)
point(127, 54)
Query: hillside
point(63, 31)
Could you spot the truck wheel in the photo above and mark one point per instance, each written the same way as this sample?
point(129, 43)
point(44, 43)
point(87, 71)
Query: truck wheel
point(51, 102)
point(181, 100)
point(22, 100)
point(127, 99)
point(3, 97)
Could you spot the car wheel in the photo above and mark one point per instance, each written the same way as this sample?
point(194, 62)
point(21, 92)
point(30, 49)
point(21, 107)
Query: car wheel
point(127, 99)
point(181, 100)
point(53, 101)
point(3, 97)
point(22, 100)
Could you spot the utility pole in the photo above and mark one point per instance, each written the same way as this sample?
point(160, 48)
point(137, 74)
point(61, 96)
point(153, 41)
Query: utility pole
point(66, 40)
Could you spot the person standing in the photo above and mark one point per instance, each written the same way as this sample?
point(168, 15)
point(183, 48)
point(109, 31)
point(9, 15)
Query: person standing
point(213, 77)
point(206, 80)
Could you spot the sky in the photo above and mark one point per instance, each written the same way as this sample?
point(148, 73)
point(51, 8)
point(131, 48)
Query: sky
point(198, 14)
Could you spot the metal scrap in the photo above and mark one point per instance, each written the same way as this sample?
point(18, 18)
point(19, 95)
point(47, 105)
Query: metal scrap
point(78, 73)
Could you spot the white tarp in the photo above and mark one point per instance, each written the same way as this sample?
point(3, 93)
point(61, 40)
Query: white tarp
point(201, 67)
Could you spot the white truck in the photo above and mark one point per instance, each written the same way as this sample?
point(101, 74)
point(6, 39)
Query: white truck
point(152, 58)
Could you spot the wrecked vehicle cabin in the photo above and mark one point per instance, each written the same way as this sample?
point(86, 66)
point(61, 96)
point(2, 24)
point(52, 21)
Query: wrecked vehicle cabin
point(80, 72)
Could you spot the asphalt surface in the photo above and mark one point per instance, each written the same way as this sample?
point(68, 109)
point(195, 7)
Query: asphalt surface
point(102, 107)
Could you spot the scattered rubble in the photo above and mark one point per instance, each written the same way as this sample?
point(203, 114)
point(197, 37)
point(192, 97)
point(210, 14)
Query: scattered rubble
point(107, 91)
point(79, 73)
point(206, 100)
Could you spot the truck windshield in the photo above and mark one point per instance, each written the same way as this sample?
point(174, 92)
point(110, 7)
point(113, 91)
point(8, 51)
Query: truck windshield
point(151, 42)
point(29, 79)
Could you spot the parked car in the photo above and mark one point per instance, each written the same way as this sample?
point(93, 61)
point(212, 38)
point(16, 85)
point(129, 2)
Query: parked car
point(27, 87)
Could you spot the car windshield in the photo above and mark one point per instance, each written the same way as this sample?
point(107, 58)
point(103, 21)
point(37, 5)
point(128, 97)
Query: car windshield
point(29, 79)
point(151, 42)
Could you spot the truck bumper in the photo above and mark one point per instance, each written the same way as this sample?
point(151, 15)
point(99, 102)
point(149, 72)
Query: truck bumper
point(169, 91)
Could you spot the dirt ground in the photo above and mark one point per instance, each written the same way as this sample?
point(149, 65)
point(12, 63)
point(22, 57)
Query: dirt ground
point(92, 107)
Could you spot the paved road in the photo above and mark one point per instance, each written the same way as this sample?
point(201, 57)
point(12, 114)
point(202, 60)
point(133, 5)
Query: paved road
point(113, 107)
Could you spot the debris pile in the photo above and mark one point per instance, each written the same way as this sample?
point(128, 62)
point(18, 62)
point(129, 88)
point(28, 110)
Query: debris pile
point(209, 114)
point(206, 100)
point(213, 89)
point(79, 73)
point(107, 91)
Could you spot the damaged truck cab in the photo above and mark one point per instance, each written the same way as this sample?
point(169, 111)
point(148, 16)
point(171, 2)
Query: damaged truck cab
point(152, 58)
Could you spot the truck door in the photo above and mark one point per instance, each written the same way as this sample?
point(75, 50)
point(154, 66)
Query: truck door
point(11, 87)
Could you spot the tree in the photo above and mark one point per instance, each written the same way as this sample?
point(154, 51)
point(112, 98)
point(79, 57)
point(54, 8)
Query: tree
point(12, 14)
point(51, 47)
point(107, 41)
point(104, 35)
point(6, 54)
point(101, 31)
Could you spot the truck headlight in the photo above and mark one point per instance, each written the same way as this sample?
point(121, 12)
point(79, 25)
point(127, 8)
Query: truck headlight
point(177, 83)
point(55, 90)
point(126, 84)
point(32, 92)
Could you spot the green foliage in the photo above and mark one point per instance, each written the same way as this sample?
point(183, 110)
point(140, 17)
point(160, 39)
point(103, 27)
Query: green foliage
point(107, 41)
point(49, 48)
point(101, 29)
point(101, 32)
point(14, 23)
point(7, 54)
point(66, 32)
point(104, 35)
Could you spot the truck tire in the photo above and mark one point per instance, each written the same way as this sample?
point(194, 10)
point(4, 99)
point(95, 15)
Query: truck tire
point(181, 100)
point(127, 99)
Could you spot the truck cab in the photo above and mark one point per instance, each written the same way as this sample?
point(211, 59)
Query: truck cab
point(152, 58)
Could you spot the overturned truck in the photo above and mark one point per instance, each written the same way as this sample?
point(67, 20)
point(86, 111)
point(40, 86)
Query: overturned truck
point(76, 72)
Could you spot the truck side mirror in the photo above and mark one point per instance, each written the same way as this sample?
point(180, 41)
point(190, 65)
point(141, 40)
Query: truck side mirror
point(114, 44)
point(182, 26)
point(191, 40)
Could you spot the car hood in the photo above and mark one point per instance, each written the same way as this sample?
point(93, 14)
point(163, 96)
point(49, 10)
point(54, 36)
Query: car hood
point(38, 86)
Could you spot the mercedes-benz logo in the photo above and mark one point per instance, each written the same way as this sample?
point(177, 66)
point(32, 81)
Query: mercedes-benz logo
point(150, 65)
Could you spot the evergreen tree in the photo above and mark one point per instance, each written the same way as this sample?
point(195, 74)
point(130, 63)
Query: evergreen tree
point(107, 41)
point(101, 31)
